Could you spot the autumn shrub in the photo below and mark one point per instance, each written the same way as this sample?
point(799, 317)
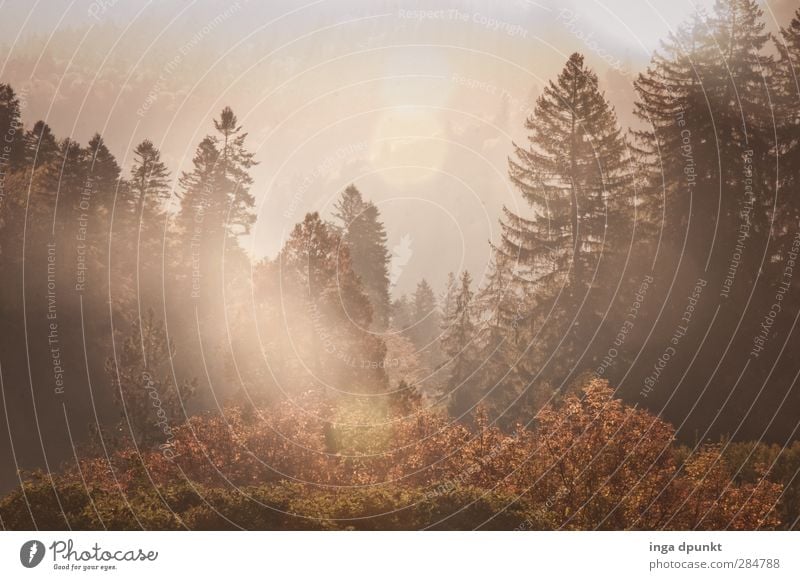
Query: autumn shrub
point(282, 506)
point(45, 504)
point(748, 460)
point(588, 462)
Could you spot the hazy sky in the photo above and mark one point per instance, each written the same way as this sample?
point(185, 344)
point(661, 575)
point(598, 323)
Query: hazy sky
point(418, 109)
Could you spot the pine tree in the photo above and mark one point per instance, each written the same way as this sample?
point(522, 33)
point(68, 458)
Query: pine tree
point(234, 180)
point(103, 175)
point(402, 314)
point(502, 374)
point(41, 147)
point(575, 175)
point(149, 181)
point(704, 101)
point(709, 144)
point(448, 298)
point(460, 348)
point(198, 191)
point(69, 171)
point(787, 115)
point(216, 207)
point(39, 144)
point(425, 317)
point(11, 130)
point(216, 201)
point(336, 310)
point(361, 229)
point(147, 189)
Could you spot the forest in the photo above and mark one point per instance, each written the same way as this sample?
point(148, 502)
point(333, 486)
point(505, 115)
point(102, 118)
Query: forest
point(624, 363)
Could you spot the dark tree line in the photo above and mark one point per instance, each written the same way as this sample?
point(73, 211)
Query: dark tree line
point(662, 259)
point(122, 317)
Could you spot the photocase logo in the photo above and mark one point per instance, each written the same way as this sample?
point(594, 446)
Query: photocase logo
point(31, 553)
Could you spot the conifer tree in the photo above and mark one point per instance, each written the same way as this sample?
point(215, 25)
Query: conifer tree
point(103, 174)
point(11, 130)
point(402, 314)
point(704, 102)
point(361, 229)
point(216, 201)
point(149, 181)
point(460, 348)
point(502, 375)
point(787, 114)
point(448, 297)
point(234, 179)
point(69, 172)
point(41, 145)
point(147, 190)
point(336, 309)
point(575, 175)
point(216, 207)
point(425, 316)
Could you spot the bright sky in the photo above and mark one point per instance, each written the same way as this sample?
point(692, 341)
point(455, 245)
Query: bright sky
point(417, 108)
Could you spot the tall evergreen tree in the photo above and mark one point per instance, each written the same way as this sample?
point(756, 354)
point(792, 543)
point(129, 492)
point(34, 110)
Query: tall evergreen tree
point(198, 191)
point(41, 145)
point(787, 116)
point(402, 317)
point(448, 297)
point(425, 316)
point(575, 175)
point(704, 102)
point(149, 181)
point(147, 190)
point(502, 377)
point(216, 202)
point(707, 107)
point(103, 175)
point(336, 310)
point(362, 231)
point(234, 179)
point(461, 351)
point(216, 207)
point(11, 130)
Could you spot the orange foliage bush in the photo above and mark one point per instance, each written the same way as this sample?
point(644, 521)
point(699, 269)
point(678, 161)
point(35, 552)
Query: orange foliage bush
point(590, 461)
